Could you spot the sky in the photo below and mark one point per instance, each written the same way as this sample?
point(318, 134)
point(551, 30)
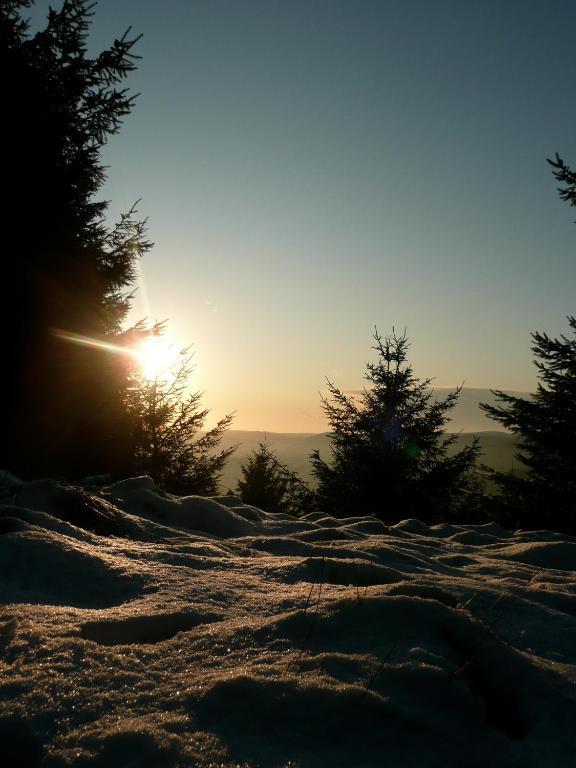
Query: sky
point(311, 169)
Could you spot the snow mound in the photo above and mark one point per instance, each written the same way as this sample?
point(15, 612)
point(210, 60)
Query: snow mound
point(143, 629)
point(37, 566)
point(139, 497)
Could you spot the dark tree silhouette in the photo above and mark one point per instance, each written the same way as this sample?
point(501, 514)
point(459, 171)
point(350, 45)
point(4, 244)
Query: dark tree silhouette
point(68, 272)
point(545, 425)
point(566, 177)
point(390, 454)
point(263, 483)
point(270, 485)
point(167, 430)
point(545, 494)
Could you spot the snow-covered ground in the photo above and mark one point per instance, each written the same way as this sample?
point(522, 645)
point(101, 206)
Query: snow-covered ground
point(199, 632)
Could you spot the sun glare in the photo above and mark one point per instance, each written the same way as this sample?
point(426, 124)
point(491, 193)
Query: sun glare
point(157, 357)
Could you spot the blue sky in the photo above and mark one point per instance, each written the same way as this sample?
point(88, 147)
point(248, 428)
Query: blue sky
point(312, 169)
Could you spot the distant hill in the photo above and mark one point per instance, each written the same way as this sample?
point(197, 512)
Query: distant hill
point(467, 416)
point(498, 449)
point(294, 449)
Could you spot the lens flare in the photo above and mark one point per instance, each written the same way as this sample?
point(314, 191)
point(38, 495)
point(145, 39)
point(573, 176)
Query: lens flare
point(157, 355)
point(86, 341)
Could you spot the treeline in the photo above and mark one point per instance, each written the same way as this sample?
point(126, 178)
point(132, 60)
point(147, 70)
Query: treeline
point(391, 457)
point(76, 402)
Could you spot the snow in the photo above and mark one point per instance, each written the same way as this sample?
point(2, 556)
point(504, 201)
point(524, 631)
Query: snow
point(145, 630)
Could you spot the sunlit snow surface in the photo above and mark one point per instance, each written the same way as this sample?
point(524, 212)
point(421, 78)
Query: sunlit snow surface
point(211, 633)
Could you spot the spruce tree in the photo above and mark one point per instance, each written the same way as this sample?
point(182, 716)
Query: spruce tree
point(272, 486)
point(69, 273)
point(262, 483)
point(169, 440)
point(390, 454)
point(544, 496)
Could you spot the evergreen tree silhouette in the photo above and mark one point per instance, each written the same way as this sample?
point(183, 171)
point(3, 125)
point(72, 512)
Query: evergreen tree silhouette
point(262, 483)
point(169, 440)
point(270, 485)
point(69, 274)
point(545, 424)
point(390, 454)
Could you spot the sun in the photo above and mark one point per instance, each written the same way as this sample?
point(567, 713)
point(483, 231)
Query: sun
point(157, 357)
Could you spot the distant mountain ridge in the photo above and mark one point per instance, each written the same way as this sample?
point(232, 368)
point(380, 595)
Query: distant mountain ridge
point(467, 416)
point(294, 448)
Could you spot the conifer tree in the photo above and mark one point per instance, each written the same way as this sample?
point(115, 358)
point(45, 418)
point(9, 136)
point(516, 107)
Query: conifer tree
point(262, 483)
point(545, 426)
point(270, 485)
point(69, 272)
point(169, 440)
point(390, 454)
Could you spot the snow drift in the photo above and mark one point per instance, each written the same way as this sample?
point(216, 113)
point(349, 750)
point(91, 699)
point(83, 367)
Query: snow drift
point(140, 629)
